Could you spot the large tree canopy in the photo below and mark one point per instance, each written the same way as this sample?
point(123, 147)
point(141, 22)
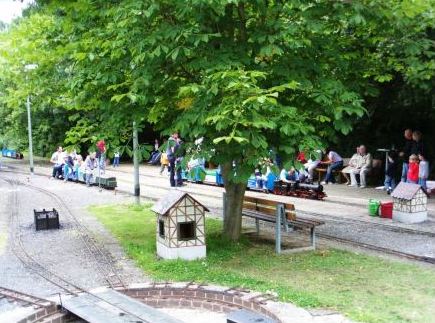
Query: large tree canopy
point(250, 77)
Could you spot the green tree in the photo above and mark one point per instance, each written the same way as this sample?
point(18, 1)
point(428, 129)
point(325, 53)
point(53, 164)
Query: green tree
point(250, 77)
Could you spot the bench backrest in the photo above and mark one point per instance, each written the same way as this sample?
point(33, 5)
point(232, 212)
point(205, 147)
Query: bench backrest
point(268, 207)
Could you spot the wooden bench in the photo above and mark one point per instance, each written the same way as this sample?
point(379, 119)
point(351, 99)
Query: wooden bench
point(374, 171)
point(283, 215)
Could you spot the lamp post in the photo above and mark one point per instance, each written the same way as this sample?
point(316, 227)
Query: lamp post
point(30, 67)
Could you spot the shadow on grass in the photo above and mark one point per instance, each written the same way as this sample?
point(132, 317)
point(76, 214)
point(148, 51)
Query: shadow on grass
point(365, 288)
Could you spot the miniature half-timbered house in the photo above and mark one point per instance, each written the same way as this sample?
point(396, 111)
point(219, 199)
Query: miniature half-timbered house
point(180, 226)
point(409, 203)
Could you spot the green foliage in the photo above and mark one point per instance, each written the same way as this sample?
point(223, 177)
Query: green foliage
point(253, 78)
point(365, 288)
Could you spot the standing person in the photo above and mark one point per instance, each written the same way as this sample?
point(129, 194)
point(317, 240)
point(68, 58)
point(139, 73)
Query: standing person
point(57, 159)
point(423, 171)
point(101, 154)
point(171, 152)
point(362, 168)
point(180, 153)
point(406, 152)
point(412, 176)
point(334, 162)
point(390, 181)
point(90, 165)
point(417, 146)
point(164, 162)
point(116, 159)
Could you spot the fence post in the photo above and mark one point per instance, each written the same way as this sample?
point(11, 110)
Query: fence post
point(278, 230)
point(284, 217)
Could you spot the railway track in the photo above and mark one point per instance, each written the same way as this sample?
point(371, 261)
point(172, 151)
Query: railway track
point(342, 221)
point(23, 299)
point(425, 259)
point(327, 217)
point(102, 260)
point(39, 269)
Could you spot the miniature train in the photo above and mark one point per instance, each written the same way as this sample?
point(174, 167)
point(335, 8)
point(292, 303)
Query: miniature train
point(105, 182)
point(271, 184)
point(11, 153)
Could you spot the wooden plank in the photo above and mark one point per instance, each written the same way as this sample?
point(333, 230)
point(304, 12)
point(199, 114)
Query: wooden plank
point(261, 201)
point(291, 215)
point(265, 218)
point(259, 208)
point(250, 199)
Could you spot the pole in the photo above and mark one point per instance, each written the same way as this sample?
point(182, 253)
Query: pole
point(29, 127)
point(136, 163)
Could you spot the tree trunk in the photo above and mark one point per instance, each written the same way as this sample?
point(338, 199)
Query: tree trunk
point(233, 205)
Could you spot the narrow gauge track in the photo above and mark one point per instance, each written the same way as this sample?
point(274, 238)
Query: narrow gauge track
point(426, 259)
point(23, 299)
point(337, 219)
point(331, 218)
point(28, 261)
point(104, 263)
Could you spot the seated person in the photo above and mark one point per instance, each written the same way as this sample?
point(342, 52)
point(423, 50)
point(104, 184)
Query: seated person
point(57, 159)
point(353, 163)
point(289, 176)
point(334, 162)
point(312, 164)
point(68, 166)
point(261, 179)
point(91, 163)
point(364, 164)
point(78, 173)
point(195, 167)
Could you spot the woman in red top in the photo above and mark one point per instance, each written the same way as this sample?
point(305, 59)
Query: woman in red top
point(413, 169)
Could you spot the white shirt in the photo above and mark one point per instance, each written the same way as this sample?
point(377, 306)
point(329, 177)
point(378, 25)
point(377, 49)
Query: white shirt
point(283, 175)
point(58, 158)
point(334, 157)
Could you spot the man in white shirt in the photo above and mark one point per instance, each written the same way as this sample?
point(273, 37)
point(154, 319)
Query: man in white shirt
point(363, 166)
point(57, 159)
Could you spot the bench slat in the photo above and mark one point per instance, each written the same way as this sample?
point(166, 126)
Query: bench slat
point(261, 201)
point(291, 215)
point(301, 223)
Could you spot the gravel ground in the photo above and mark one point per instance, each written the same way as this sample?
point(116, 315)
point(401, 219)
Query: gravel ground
point(340, 210)
point(339, 218)
point(62, 251)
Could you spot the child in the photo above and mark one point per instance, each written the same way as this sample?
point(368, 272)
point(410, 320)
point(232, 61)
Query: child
point(423, 171)
point(116, 159)
point(390, 182)
point(164, 162)
point(413, 169)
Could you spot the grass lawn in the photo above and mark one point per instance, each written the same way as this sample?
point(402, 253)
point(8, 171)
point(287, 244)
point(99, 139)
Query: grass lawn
point(364, 288)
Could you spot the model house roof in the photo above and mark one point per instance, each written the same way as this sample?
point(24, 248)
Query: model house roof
point(170, 200)
point(406, 191)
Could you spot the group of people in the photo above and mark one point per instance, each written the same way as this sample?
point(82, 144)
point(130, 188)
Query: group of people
point(70, 165)
point(415, 165)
